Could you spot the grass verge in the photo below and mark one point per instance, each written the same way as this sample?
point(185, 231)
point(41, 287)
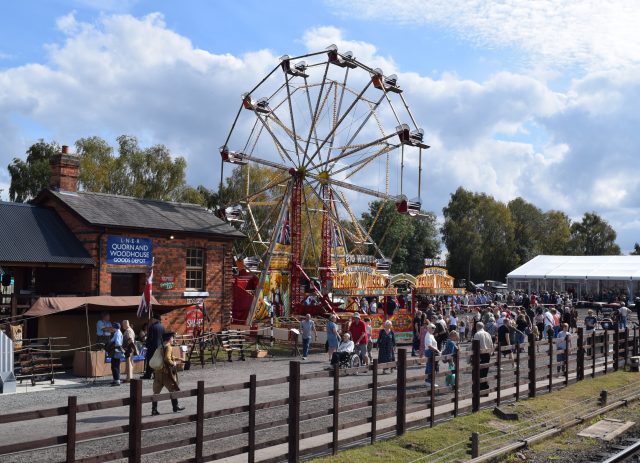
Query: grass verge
point(414, 445)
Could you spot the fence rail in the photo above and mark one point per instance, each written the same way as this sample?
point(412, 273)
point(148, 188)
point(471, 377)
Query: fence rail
point(512, 372)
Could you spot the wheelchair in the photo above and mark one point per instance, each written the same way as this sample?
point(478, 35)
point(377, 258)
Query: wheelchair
point(351, 360)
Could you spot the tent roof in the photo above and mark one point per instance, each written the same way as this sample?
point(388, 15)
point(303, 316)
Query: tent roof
point(580, 267)
point(53, 305)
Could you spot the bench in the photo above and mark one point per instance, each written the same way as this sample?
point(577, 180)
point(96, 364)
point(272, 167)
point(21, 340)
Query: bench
point(233, 341)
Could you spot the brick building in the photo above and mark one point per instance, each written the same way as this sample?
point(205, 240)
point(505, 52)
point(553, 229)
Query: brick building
point(190, 247)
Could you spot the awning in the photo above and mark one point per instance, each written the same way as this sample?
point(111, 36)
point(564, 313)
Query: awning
point(52, 305)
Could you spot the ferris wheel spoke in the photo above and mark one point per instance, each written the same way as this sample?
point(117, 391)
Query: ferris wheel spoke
point(308, 214)
point(344, 154)
point(263, 80)
point(275, 139)
point(362, 125)
point(356, 188)
point(362, 163)
point(357, 223)
point(314, 117)
point(313, 133)
point(337, 112)
point(342, 118)
point(266, 261)
point(293, 122)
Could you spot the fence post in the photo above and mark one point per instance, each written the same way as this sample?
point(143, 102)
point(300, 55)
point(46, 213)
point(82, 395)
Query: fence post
point(550, 339)
point(401, 392)
point(72, 410)
point(616, 347)
point(635, 340)
point(567, 351)
point(432, 391)
point(580, 355)
point(374, 402)
point(517, 372)
point(593, 353)
point(475, 445)
point(336, 408)
point(499, 372)
point(626, 347)
point(532, 365)
point(252, 416)
point(605, 347)
point(135, 421)
point(294, 412)
point(456, 387)
point(475, 375)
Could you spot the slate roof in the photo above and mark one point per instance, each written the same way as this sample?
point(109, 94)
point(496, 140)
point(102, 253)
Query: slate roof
point(32, 234)
point(127, 212)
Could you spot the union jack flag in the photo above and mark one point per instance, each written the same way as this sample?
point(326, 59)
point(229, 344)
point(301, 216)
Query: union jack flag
point(144, 308)
point(285, 233)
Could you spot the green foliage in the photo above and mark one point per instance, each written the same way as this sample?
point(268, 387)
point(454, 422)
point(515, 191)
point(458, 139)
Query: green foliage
point(32, 175)
point(636, 250)
point(478, 232)
point(593, 236)
point(406, 240)
point(149, 173)
point(555, 234)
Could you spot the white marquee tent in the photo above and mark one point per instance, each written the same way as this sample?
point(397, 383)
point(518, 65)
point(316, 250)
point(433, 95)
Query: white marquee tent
point(583, 274)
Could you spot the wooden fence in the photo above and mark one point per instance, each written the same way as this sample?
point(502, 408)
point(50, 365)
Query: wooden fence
point(405, 402)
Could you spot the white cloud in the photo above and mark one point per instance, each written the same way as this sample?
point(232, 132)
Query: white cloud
point(592, 33)
point(135, 76)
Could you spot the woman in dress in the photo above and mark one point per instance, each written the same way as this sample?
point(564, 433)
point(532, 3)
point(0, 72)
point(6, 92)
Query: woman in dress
point(386, 345)
point(333, 337)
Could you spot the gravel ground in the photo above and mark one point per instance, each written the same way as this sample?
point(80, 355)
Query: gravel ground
point(223, 373)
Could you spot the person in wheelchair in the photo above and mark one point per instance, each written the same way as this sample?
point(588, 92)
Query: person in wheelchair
point(345, 349)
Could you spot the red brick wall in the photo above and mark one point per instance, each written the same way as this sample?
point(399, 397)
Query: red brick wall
point(63, 173)
point(170, 260)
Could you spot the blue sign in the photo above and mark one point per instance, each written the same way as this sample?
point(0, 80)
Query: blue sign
point(124, 250)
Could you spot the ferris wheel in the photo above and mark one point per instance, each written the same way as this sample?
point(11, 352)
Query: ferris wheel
point(318, 134)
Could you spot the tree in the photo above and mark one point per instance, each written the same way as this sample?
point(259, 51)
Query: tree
point(528, 229)
point(406, 240)
point(32, 175)
point(149, 173)
point(461, 235)
point(593, 236)
point(479, 235)
point(636, 250)
point(556, 233)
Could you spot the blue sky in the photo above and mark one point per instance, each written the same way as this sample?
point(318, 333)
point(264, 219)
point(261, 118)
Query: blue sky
point(532, 99)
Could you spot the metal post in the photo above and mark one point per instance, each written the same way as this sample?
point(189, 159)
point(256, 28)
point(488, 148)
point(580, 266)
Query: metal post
point(401, 392)
point(475, 445)
point(135, 421)
point(293, 455)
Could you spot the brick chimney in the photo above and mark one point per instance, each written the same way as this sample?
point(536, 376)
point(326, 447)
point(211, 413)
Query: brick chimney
point(63, 174)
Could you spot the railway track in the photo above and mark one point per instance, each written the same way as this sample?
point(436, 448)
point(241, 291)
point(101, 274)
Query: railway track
point(628, 451)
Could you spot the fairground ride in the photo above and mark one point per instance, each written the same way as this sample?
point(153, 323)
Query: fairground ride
point(316, 134)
